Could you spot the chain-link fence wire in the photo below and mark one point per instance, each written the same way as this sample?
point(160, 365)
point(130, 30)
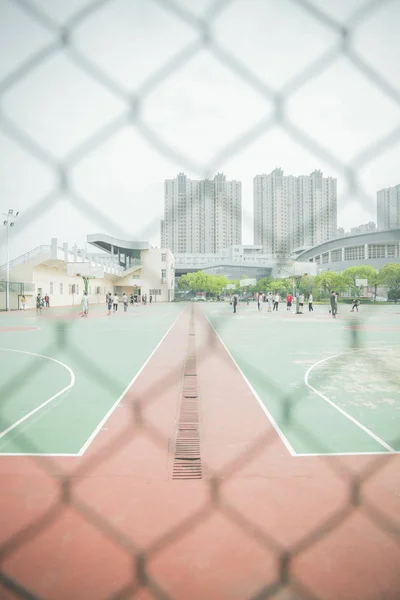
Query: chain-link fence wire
point(64, 342)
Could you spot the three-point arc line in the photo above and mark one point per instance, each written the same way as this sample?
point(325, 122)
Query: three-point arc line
point(343, 412)
point(46, 402)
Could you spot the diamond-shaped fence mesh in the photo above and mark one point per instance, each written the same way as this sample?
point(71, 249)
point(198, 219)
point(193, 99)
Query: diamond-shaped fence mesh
point(194, 28)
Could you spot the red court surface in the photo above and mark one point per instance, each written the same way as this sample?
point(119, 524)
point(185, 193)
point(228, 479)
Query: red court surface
point(259, 524)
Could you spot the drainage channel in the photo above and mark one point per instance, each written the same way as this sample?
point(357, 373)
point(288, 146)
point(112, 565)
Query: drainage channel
point(187, 457)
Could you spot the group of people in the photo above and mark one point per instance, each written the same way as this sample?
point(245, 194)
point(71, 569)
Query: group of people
point(112, 301)
point(273, 301)
point(41, 302)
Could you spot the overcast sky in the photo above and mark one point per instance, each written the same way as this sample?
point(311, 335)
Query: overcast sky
point(195, 113)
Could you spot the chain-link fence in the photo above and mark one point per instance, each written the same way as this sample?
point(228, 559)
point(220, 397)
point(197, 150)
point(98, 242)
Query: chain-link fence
point(203, 342)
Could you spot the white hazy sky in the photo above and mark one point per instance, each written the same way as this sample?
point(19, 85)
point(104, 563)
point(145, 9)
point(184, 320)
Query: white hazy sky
point(195, 118)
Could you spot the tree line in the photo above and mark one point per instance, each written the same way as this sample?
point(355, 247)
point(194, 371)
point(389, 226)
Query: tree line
point(320, 286)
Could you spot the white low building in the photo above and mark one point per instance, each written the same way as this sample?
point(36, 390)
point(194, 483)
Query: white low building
point(45, 270)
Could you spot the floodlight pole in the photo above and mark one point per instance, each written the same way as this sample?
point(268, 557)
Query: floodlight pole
point(8, 222)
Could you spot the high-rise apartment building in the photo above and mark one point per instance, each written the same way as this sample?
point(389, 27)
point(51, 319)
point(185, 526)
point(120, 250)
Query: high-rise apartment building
point(292, 212)
point(388, 204)
point(201, 216)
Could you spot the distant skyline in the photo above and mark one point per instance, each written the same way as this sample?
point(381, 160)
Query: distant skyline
point(212, 110)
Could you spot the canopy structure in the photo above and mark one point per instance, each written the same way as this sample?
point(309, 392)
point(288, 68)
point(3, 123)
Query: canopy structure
point(125, 252)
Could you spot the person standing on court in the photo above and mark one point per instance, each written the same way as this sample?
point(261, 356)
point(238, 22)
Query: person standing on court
point(259, 301)
point(289, 300)
point(38, 304)
point(234, 302)
point(23, 302)
point(333, 301)
point(125, 301)
point(270, 302)
point(301, 302)
point(310, 302)
point(150, 299)
point(115, 302)
point(276, 302)
point(85, 305)
point(109, 302)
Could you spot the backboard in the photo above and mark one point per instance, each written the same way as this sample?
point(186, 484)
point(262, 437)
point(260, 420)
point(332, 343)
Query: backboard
point(84, 269)
point(361, 282)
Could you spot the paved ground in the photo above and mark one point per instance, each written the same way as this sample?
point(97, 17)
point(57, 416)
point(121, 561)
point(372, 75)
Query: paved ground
point(112, 523)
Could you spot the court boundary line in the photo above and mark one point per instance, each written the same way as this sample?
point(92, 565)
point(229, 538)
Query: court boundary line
point(126, 390)
point(274, 424)
point(42, 405)
point(389, 448)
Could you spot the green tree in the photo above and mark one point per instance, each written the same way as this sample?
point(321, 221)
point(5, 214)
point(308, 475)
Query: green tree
point(305, 284)
point(184, 282)
point(262, 285)
point(361, 272)
point(389, 276)
point(331, 280)
point(282, 286)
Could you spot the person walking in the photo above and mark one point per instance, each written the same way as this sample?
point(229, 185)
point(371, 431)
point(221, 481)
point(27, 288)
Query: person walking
point(132, 299)
point(115, 303)
point(310, 302)
point(270, 302)
point(235, 302)
point(47, 300)
point(23, 302)
point(333, 301)
point(125, 301)
point(289, 300)
point(85, 305)
point(276, 302)
point(150, 299)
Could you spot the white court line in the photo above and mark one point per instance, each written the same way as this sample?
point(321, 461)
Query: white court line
point(46, 402)
point(343, 412)
point(22, 330)
point(130, 384)
point(257, 397)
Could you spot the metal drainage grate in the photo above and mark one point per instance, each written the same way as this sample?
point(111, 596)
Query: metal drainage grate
point(187, 457)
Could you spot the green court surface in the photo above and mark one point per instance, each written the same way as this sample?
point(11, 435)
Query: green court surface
point(62, 374)
point(330, 386)
point(325, 391)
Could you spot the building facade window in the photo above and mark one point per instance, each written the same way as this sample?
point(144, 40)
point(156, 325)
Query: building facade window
point(155, 292)
point(376, 251)
point(336, 255)
point(61, 289)
point(392, 250)
point(163, 273)
point(325, 257)
point(354, 253)
point(51, 287)
point(163, 257)
point(70, 289)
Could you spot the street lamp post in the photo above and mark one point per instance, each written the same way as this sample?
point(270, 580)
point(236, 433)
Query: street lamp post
point(8, 222)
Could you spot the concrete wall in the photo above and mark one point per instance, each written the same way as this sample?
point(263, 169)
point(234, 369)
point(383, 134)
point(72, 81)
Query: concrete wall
point(51, 278)
point(55, 282)
point(150, 276)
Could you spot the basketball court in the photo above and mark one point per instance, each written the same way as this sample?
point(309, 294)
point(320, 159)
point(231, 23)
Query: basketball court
point(252, 455)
